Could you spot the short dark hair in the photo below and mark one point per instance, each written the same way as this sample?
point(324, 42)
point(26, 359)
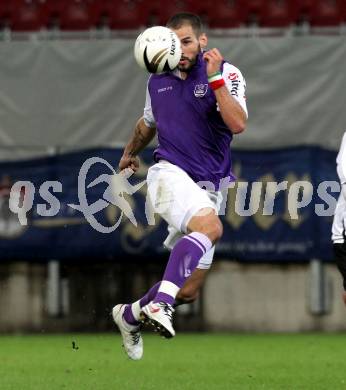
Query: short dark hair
point(178, 20)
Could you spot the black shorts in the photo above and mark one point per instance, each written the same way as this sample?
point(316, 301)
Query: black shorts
point(340, 259)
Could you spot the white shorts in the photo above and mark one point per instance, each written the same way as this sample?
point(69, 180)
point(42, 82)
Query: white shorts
point(177, 198)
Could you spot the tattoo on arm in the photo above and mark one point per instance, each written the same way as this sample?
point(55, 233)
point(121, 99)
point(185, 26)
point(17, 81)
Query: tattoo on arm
point(141, 138)
point(138, 140)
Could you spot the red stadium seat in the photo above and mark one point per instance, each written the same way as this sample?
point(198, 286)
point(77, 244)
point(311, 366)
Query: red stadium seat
point(253, 10)
point(100, 13)
point(343, 11)
point(227, 14)
point(32, 15)
point(326, 13)
point(54, 9)
point(253, 5)
point(127, 14)
point(68, 14)
point(304, 9)
point(75, 16)
point(26, 15)
point(161, 13)
point(278, 13)
point(200, 8)
point(305, 4)
point(5, 15)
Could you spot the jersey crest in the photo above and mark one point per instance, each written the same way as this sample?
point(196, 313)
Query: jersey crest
point(200, 90)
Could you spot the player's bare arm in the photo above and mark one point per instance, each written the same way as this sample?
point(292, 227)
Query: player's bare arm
point(141, 138)
point(232, 113)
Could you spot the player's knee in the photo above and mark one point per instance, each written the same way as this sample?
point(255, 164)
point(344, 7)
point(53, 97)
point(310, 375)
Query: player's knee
point(211, 227)
point(209, 224)
point(214, 230)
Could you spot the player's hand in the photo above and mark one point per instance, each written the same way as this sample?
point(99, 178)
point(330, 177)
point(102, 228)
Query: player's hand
point(129, 162)
point(214, 60)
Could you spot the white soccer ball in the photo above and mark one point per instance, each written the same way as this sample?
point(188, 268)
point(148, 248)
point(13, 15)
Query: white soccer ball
point(157, 49)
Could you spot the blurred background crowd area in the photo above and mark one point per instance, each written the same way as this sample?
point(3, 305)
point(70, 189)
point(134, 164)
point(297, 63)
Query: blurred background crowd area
point(33, 15)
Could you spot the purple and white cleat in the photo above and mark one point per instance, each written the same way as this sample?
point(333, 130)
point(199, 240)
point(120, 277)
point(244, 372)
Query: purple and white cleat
point(131, 335)
point(160, 316)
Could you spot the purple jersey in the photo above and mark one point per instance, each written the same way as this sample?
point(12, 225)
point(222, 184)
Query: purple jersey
point(191, 132)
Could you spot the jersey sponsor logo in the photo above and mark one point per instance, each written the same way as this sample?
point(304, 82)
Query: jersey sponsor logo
point(164, 89)
point(235, 87)
point(200, 90)
point(233, 76)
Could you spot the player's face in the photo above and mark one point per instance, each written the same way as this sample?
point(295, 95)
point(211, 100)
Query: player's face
point(191, 46)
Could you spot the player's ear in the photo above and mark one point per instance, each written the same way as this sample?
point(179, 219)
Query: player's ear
point(203, 40)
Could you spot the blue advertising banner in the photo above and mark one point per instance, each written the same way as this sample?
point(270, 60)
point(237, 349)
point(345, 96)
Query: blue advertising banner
point(280, 209)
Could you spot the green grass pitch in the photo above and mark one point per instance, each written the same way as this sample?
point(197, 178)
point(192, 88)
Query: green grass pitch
point(189, 361)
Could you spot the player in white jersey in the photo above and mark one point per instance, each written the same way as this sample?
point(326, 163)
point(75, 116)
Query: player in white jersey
point(339, 222)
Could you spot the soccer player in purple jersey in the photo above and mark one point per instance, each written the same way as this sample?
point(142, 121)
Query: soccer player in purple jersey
point(195, 110)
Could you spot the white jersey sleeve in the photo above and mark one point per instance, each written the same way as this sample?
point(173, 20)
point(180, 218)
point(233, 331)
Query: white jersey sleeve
point(235, 84)
point(339, 221)
point(338, 227)
point(148, 115)
point(341, 161)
